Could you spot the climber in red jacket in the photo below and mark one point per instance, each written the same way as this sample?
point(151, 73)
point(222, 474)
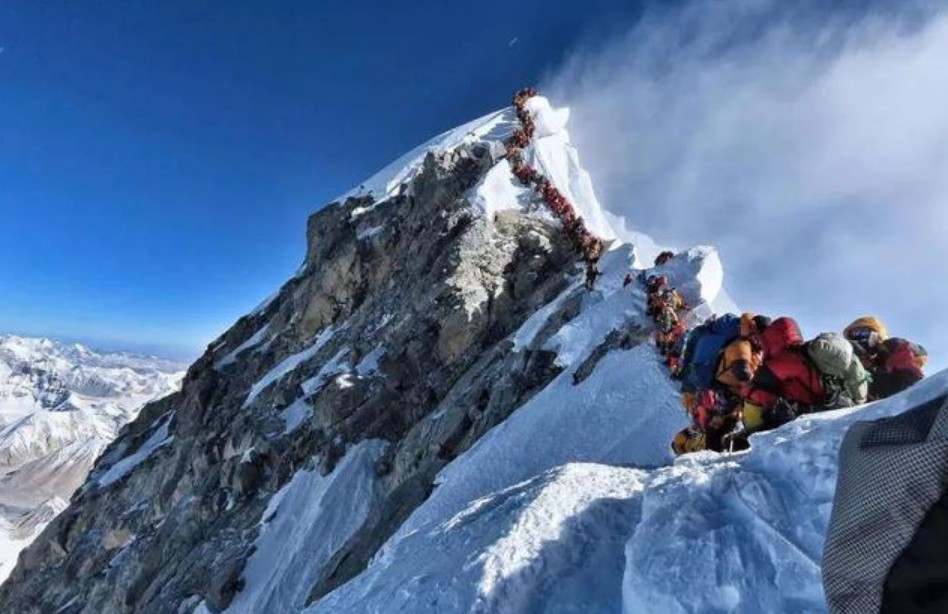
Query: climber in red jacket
point(786, 385)
point(664, 257)
point(894, 363)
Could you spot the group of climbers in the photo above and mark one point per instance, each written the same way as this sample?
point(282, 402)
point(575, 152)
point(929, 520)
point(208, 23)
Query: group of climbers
point(589, 245)
point(759, 374)
point(739, 374)
point(743, 374)
point(667, 309)
point(665, 306)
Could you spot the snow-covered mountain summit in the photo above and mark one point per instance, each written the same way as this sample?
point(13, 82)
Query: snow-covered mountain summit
point(433, 415)
point(60, 405)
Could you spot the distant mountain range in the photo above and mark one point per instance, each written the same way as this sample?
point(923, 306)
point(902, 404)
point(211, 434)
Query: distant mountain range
point(60, 406)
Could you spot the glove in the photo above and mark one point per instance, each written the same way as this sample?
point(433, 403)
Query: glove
point(784, 411)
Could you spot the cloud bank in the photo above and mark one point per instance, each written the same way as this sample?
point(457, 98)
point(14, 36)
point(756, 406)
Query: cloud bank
point(810, 146)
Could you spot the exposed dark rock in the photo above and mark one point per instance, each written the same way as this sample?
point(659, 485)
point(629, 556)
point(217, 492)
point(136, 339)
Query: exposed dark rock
point(624, 338)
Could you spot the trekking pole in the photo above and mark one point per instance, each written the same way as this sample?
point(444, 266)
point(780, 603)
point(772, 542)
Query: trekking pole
point(738, 430)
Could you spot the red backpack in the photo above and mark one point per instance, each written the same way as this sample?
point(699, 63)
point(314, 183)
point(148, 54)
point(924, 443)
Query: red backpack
point(799, 380)
point(780, 335)
point(903, 355)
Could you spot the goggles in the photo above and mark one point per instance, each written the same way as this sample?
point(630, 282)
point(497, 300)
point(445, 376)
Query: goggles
point(864, 340)
point(861, 333)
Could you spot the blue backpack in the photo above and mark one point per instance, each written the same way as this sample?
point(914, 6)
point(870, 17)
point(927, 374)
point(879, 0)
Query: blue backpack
point(704, 345)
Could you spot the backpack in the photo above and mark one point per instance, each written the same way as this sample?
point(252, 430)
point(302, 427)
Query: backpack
point(844, 378)
point(704, 345)
point(781, 334)
point(902, 354)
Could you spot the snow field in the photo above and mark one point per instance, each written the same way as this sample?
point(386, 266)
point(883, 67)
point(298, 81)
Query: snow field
point(306, 522)
point(547, 544)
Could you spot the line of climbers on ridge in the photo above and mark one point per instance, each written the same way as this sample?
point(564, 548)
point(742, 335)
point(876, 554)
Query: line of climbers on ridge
point(744, 374)
point(739, 374)
point(590, 246)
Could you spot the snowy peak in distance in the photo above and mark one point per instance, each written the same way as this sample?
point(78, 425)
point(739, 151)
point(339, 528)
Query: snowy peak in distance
point(38, 348)
point(38, 373)
point(60, 406)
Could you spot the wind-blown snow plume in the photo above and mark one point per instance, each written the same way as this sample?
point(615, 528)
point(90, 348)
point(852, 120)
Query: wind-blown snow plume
point(810, 147)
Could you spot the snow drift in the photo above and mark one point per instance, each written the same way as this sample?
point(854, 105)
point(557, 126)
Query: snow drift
point(709, 533)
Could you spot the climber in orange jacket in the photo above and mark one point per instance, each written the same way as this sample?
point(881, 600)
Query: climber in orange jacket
point(740, 359)
point(716, 412)
point(893, 363)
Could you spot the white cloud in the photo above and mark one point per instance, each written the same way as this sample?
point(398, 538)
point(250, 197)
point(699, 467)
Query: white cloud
point(811, 148)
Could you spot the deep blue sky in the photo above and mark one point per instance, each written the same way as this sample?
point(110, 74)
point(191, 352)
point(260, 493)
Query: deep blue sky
point(158, 160)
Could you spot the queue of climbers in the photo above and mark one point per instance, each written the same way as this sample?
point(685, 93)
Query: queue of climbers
point(590, 246)
point(739, 374)
point(748, 373)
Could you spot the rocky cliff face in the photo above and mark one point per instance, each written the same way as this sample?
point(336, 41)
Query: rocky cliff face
point(392, 345)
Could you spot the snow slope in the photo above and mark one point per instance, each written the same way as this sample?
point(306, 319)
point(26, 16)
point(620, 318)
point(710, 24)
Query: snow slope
point(549, 544)
point(506, 528)
point(709, 533)
point(307, 521)
point(60, 406)
point(575, 503)
point(494, 127)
